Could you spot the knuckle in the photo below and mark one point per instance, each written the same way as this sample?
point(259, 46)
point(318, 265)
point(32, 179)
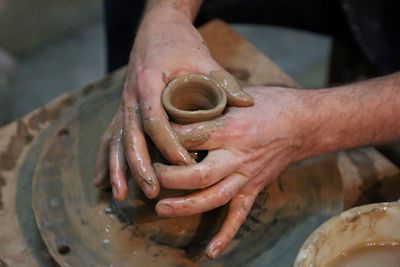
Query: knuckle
point(127, 92)
point(224, 196)
point(203, 175)
point(187, 204)
point(145, 77)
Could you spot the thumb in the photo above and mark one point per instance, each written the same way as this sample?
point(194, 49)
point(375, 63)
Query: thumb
point(236, 96)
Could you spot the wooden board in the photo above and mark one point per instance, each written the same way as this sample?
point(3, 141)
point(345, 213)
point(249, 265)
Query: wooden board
point(21, 143)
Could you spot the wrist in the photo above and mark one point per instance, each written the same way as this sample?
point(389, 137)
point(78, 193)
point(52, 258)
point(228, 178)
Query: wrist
point(326, 120)
point(347, 117)
point(315, 124)
point(186, 9)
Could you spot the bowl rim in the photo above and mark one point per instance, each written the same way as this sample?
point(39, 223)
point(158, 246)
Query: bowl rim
point(308, 245)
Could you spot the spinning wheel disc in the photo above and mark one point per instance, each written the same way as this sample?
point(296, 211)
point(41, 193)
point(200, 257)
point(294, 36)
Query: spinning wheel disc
point(82, 226)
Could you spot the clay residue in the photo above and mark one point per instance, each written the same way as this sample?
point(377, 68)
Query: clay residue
point(105, 83)
point(383, 254)
point(44, 114)
point(67, 101)
point(24, 137)
point(351, 223)
point(236, 96)
point(2, 184)
point(38, 119)
point(88, 89)
point(18, 141)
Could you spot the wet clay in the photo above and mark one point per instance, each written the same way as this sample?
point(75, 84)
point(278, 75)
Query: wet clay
point(234, 93)
point(194, 98)
point(375, 255)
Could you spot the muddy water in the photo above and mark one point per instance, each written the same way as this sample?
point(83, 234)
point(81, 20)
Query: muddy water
point(386, 255)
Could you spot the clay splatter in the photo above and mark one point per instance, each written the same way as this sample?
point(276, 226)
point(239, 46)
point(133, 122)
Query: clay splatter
point(105, 83)
point(38, 119)
point(88, 90)
point(22, 137)
point(43, 115)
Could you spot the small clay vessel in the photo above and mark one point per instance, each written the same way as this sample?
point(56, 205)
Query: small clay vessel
point(193, 98)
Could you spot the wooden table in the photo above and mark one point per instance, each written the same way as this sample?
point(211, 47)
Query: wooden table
point(20, 243)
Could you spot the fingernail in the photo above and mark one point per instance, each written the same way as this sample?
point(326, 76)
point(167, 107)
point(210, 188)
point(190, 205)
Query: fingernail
point(164, 210)
point(245, 96)
point(187, 159)
point(149, 180)
point(148, 189)
point(213, 253)
point(115, 192)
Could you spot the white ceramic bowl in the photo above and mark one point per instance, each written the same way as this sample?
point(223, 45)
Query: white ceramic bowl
point(375, 224)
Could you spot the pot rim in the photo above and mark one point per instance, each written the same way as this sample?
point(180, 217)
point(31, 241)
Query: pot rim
point(199, 114)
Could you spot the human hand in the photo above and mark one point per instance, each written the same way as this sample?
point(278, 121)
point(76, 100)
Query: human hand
point(167, 45)
point(248, 148)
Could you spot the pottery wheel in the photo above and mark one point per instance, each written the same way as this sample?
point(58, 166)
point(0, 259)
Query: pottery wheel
point(82, 226)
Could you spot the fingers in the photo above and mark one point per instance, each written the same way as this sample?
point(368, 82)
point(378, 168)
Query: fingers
point(101, 167)
point(135, 149)
point(117, 163)
point(204, 200)
point(239, 208)
point(236, 96)
point(206, 135)
point(217, 165)
point(155, 120)
point(162, 135)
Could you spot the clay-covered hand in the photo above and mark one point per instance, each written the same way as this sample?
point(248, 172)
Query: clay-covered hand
point(248, 148)
point(167, 45)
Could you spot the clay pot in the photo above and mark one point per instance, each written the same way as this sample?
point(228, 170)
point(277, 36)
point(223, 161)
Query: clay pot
point(352, 231)
point(193, 98)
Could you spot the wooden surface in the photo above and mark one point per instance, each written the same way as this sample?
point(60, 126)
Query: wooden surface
point(20, 243)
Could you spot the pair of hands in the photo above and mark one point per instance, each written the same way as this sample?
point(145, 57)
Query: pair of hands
point(249, 146)
point(166, 46)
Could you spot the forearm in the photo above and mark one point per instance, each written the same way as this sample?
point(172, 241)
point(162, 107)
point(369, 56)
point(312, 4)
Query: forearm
point(187, 8)
point(361, 114)
point(166, 26)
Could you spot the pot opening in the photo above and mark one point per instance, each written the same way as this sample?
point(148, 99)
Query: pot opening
point(194, 96)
